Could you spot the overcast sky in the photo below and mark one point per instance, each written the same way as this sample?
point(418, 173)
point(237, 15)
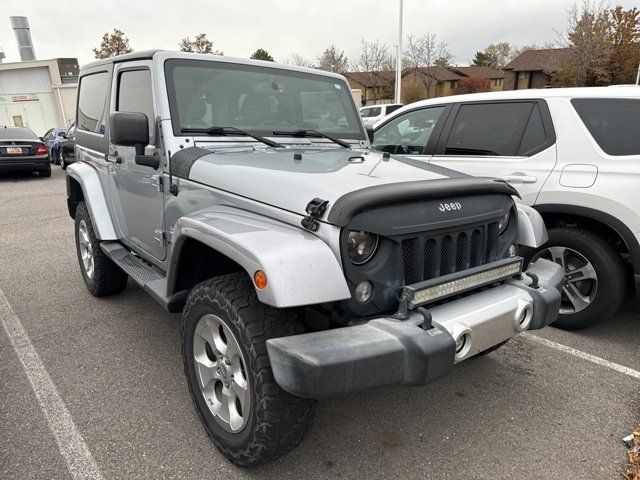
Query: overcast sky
point(71, 28)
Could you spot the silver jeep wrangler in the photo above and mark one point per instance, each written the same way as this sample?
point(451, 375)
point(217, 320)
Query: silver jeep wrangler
point(245, 195)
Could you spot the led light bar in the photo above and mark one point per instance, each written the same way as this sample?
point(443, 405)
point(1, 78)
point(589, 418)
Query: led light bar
point(455, 283)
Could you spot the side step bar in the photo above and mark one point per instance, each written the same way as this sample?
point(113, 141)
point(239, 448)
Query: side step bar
point(144, 275)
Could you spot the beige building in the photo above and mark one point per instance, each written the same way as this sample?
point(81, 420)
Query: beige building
point(38, 94)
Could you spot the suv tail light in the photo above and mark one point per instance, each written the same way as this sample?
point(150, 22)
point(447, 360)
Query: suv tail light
point(42, 150)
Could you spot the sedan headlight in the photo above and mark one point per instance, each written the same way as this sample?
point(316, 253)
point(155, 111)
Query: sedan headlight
point(361, 246)
point(503, 223)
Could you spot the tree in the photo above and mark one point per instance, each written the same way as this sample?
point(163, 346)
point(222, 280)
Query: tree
point(262, 54)
point(426, 51)
point(200, 44)
point(473, 85)
point(371, 60)
point(625, 40)
point(483, 59)
point(300, 61)
point(588, 35)
point(497, 55)
point(113, 44)
point(333, 60)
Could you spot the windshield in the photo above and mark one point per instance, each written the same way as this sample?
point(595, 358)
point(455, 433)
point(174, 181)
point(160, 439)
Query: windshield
point(257, 99)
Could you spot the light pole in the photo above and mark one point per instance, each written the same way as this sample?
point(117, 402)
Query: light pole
point(399, 59)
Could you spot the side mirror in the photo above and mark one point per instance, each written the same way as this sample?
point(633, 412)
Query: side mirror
point(370, 134)
point(129, 129)
point(41, 139)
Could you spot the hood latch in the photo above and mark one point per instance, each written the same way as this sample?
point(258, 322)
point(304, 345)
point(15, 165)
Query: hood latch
point(315, 209)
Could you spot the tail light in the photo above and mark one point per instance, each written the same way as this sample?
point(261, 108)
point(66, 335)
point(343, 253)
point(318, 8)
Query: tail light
point(42, 150)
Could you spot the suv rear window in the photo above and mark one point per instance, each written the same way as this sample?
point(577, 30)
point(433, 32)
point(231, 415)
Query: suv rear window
point(614, 123)
point(92, 100)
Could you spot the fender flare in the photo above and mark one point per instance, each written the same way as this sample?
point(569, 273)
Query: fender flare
point(95, 199)
point(300, 267)
point(627, 236)
point(532, 231)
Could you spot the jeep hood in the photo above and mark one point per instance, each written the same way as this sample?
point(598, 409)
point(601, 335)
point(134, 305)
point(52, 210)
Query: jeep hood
point(290, 179)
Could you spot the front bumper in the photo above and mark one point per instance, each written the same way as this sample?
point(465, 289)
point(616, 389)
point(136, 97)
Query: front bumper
point(387, 351)
point(24, 163)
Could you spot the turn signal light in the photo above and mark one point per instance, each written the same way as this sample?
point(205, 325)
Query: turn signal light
point(260, 279)
point(42, 150)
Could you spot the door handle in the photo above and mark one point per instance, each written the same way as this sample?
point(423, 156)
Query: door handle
point(115, 158)
point(519, 178)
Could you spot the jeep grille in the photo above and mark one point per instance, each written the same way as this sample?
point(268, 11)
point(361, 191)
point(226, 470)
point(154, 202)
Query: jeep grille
point(430, 256)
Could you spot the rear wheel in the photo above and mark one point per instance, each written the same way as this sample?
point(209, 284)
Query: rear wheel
point(594, 284)
point(63, 164)
point(224, 332)
point(100, 274)
point(46, 172)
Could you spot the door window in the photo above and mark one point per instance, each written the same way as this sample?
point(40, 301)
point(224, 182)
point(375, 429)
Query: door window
point(408, 134)
point(92, 99)
point(135, 95)
point(494, 129)
point(534, 136)
point(370, 112)
point(614, 123)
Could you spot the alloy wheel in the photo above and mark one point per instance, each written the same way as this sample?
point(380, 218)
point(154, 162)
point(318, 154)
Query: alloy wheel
point(221, 371)
point(580, 283)
point(86, 250)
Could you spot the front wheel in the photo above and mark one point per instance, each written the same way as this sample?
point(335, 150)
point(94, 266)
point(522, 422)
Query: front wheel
point(594, 284)
point(224, 332)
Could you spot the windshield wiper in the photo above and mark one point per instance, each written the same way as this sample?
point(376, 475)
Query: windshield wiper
point(230, 131)
point(311, 133)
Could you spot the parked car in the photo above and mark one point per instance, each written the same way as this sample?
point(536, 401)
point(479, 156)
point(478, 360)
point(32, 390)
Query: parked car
point(374, 113)
point(573, 154)
point(51, 139)
point(67, 147)
point(21, 149)
point(306, 265)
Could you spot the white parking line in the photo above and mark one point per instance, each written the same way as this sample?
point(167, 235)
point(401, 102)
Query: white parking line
point(586, 356)
point(70, 443)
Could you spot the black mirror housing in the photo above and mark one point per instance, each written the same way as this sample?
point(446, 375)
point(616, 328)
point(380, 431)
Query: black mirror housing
point(370, 134)
point(129, 129)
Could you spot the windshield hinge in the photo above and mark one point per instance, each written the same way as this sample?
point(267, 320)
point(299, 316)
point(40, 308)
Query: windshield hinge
point(315, 209)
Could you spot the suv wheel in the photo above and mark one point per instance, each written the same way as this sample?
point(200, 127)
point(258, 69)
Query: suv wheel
point(100, 274)
point(63, 164)
point(224, 332)
point(594, 283)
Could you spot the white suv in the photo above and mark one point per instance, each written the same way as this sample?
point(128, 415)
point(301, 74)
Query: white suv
point(573, 154)
point(374, 113)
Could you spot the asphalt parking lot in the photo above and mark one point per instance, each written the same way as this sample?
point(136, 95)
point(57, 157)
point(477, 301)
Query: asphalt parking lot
point(531, 410)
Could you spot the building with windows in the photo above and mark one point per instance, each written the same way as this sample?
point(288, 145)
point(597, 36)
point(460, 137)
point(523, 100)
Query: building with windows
point(38, 94)
point(534, 68)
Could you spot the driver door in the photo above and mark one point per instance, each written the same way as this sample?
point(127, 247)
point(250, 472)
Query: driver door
point(136, 195)
point(412, 132)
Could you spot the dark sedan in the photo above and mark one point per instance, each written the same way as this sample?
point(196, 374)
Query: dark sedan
point(21, 149)
point(67, 147)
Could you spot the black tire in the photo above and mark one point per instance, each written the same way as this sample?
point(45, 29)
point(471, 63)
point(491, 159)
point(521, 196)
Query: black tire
point(45, 173)
point(278, 421)
point(63, 164)
point(56, 158)
point(107, 278)
point(610, 271)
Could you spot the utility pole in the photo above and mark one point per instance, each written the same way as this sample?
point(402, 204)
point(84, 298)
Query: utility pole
point(399, 59)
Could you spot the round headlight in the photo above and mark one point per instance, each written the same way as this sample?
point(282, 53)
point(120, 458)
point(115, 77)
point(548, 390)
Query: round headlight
point(503, 222)
point(361, 246)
